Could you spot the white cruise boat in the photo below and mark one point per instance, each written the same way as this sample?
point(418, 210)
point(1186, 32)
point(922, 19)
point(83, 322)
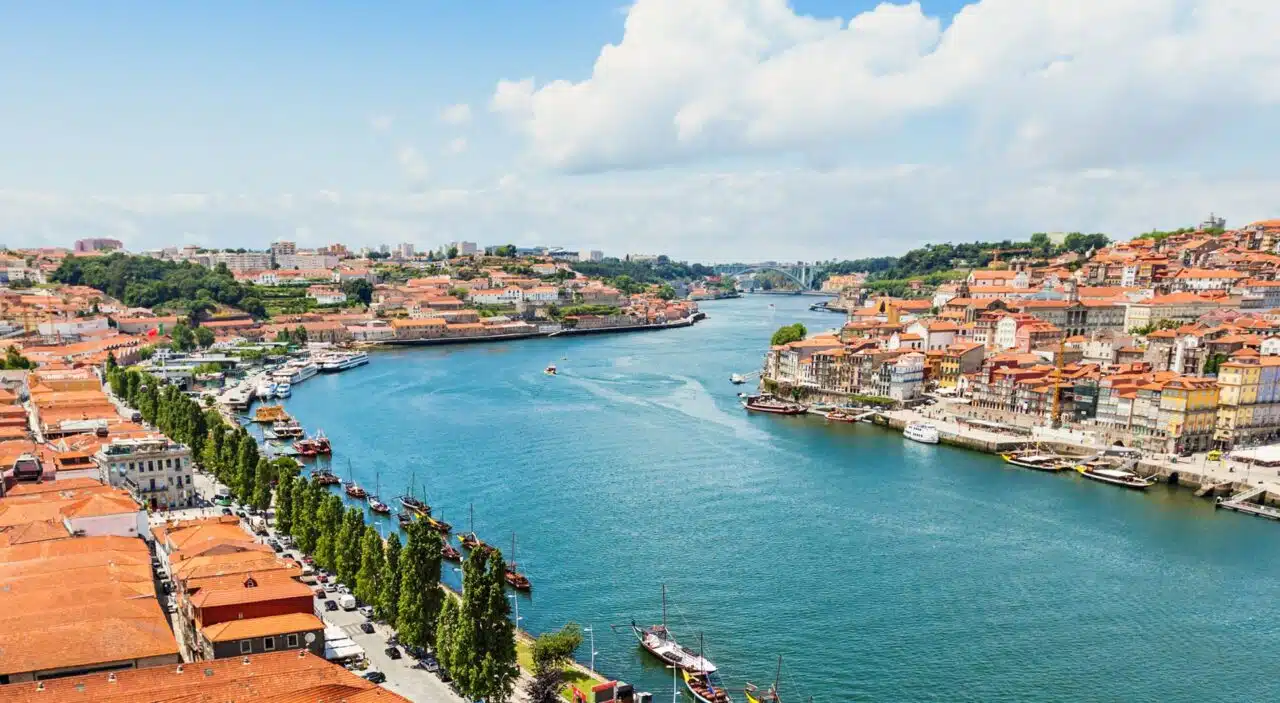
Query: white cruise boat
point(340, 361)
point(283, 390)
point(921, 432)
point(266, 389)
point(305, 370)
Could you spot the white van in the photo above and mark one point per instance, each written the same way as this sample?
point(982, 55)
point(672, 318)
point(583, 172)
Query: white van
point(347, 602)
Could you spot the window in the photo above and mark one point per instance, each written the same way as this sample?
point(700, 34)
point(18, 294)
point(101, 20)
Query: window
point(246, 647)
point(292, 641)
point(268, 644)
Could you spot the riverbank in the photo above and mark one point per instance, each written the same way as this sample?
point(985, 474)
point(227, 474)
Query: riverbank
point(544, 331)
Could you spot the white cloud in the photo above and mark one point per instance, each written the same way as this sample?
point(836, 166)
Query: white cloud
point(456, 145)
point(1044, 83)
point(459, 114)
point(381, 123)
point(776, 213)
point(412, 164)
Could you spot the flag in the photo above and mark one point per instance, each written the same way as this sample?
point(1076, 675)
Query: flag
point(151, 332)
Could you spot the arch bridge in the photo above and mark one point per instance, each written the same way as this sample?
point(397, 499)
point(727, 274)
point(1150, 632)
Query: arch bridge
point(799, 273)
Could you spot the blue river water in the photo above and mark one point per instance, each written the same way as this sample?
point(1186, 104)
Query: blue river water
point(879, 569)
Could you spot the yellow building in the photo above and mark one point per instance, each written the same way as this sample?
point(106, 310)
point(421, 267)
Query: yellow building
point(1238, 382)
point(1189, 412)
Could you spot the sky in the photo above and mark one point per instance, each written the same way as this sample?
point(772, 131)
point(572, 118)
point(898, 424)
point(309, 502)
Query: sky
point(708, 130)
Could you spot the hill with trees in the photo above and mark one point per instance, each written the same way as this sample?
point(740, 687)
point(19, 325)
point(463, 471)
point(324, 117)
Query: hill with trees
point(141, 281)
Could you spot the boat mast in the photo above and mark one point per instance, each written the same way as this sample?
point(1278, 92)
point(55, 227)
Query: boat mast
point(513, 551)
point(777, 677)
point(664, 606)
point(471, 521)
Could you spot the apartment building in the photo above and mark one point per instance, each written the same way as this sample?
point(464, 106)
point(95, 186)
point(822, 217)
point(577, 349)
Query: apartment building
point(156, 471)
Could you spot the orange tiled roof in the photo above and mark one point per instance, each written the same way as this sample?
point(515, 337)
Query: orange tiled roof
point(273, 590)
point(262, 627)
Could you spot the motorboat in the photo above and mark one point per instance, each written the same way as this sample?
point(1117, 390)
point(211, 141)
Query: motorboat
point(921, 432)
point(1104, 473)
point(284, 390)
point(550, 370)
point(266, 390)
point(737, 379)
point(765, 403)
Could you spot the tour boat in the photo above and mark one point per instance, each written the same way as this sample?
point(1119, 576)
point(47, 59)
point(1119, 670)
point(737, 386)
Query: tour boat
point(313, 446)
point(374, 503)
point(755, 695)
point(324, 477)
point(284, 390)
point(288, 429)
point(515, 579)
point(270, 414)
point(921, 432)
point(768, 404)
point(341, 361)
point(737, 379)
point(841, 416)
point(413, 503)
point(266, 390)
point(550, 370)
point(1115, 477)
point(354, 490)
point(1038, 462)
point(705, 687)
point(471, 540)
point(658, 641)
point(449, 552)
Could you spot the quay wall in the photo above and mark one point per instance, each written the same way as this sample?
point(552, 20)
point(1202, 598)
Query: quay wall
point(967, 440)
point(434, 341)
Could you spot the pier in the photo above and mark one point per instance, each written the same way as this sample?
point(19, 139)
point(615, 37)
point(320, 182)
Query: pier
point(1242, 502)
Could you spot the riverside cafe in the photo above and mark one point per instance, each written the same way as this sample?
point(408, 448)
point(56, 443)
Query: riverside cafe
point(1258, 459)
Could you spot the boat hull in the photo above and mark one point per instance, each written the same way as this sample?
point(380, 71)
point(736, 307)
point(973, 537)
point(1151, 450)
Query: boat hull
point(1133, 485)
point(703, 689)
point(1050, 468)
point(773, 410)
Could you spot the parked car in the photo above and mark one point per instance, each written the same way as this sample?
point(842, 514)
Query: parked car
point(366, 627)
point(342, 588)
point(375, 676)
point(275, 546)
point(322, 578)
point(330, 588)
point(415, 651)
point(366, 611)
point(308, 560)
point(392, 652)
point(240, 514)
point(330, 605)
point(226, 511)
point(321, 594)
point(431, 665)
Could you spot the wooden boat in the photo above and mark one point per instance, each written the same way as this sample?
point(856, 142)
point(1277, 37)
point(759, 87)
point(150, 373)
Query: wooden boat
point(270, 413)
point(841, 416)
point(471, 540)
point(705, 688)
point(658, 641)
point(1037, 462)
point(1102, 472)
point(376, 505)
point(440, 526)
point(352, 488)
point(755, 695)
point(448, 552)
point(288, 429)
point(412, 503)
point(313, 446)
point(515, 579)
point(324, 477)
point(765, 403)
point(405, 519)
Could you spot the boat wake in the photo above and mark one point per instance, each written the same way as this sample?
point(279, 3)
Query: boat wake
point(686, 396)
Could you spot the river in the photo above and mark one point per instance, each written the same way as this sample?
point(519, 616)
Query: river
point(879, 569)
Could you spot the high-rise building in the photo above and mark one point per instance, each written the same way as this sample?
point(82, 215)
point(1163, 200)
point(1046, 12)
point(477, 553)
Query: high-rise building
point(245, 261)
point(284, 248)
point(98, 244)
point(383, 248)
point(595, 255)
point(155, 470)
point(405, 250)
point(466, 248)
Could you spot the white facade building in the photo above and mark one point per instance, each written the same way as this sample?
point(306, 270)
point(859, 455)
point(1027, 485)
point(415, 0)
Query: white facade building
point(155, 470)
point(247, 261)
point(306, 260)
point(1006, 333)
point(906, 377)
point(497, 296)
point(73, 327)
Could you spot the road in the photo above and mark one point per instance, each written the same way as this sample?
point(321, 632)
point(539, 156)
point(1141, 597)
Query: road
point(415, 684)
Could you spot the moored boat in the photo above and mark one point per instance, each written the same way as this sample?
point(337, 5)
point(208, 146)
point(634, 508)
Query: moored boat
point(658, 641)
point(1099, 471)
point(412, 503)
point(755, 695)
point(705, 687)
point(1037, 462)
point(449, 552)
point(375, 504)
point(515, 579)
point(470, 540)
point(324, 477)
point(405, 519)
point(737, 379)
point(921, 432)
point(313, 446)
point(765, 403)
point(550, 370)
point(288, 429)
point(440, 526)
point(841, 416)
point(284, 390)
point(270, 414)
point(354, 490)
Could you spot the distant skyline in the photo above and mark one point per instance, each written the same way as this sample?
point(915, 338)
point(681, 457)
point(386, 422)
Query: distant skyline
point(709, 130)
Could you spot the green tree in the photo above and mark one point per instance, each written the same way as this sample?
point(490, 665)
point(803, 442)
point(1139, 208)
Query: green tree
point(485, 640)
point(14, 360)
point(329, 523)
point(246, 466)
point(420, 591)
point(300, 335)
point(183, 338)
point(110, 364)
point(260, 498)
point(347, 549)
point(358, 289)
point(666, 292)
point(389, 599)
point(458, 292)
point(284, 503)
point(452, 252)
point(1213, 363)
point(447, 634)
point(204, 337)
point(788, 334)
point(551, 652)
point(372, 557)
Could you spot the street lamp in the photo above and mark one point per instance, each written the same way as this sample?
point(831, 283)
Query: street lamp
point(588, 629)
point(516, 600)
point(675, 687)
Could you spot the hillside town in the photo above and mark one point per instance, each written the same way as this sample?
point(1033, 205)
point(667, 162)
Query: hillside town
point(1168, 344)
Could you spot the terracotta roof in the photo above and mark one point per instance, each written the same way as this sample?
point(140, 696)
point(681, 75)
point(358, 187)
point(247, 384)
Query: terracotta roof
point(278, 677)
point(262, 627)
point(274, 590)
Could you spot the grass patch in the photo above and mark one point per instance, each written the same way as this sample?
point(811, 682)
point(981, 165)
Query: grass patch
point(572, 675)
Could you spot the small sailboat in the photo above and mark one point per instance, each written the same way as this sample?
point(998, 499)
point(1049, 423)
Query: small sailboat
point(705, 686)
point(755, 695)
point(658, 641)
point(411, 502)
point(449, 552)
point(470, 540)
point(352, 488)
point(515, 579)
point(376, 505)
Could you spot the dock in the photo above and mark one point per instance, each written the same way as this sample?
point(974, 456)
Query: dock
point(1241, 503)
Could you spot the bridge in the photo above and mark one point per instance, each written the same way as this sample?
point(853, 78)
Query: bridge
point(800, 272)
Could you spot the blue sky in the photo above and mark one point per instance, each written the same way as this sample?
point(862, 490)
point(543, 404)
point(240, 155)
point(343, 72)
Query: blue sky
point(715, 129)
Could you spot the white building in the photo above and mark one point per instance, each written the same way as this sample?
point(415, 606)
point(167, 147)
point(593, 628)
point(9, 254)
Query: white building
point(906, 377)
point(465, 248)
point(326, 295)
point(542, 294)
point(1007, 332)
point(247, 261)
point(155, 470)
point(404, 251)
point(595, 255)
point(497, 296)
point(306, 260)
point(73, 327)
point(1271, 346)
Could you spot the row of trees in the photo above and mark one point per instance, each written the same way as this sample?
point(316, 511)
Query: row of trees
point(644, 272)
point(165, 406)
point(473, 636)
point(788, 334)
